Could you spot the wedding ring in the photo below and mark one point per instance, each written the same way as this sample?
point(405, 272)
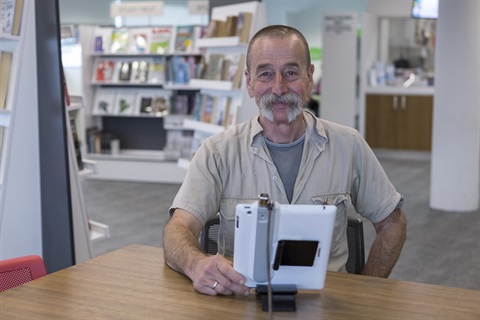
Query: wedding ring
point(215, 285)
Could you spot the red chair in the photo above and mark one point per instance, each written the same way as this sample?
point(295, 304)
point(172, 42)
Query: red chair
point(17, 271)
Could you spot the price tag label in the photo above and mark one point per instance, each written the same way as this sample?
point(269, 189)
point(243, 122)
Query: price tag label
point(135, 9)
point(198, 7)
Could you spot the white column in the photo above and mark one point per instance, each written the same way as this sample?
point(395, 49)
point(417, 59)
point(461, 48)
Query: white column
point(455, 172)
point(339, 67)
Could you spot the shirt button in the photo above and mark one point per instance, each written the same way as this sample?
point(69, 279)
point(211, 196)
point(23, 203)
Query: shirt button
point(275, 178)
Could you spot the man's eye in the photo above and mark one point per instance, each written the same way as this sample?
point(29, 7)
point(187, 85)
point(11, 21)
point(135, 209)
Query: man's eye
point(265, 76)
point(292, 75)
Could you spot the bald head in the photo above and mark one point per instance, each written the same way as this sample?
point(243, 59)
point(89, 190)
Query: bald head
point(278, 32)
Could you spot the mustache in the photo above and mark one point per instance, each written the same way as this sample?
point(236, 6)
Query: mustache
point(293, 100)
point(289, 98)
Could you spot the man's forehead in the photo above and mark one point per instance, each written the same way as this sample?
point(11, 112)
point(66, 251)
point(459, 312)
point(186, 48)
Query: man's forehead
point(268, 65)
point(275, 39)
point(272, 53)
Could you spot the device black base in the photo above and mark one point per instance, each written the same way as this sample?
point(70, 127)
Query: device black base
point(283, 297)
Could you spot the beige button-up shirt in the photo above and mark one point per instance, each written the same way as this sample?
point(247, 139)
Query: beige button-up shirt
point(338, 167)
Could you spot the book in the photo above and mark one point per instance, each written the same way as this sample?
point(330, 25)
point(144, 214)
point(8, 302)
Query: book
point(140, 71)
point(231, 26)
point(182, 70)
point(125, 71)
point(160, 40)
point(17, 19)
point(5, 66)
point(145, 103)
point(225, 69)
point(140, 40)
point(104, 70)
point(125, 102)
point(90, 134)
point(101, 40)
point(212, 29)
point(157, 70)
point(232, 112)
point(104, 101)
point(7, 15)
point(11, 16)
point(213, 69)
point(197, 107)
point(199, 67)
point(181, 104)
point(161, 103)
point(208, 107)
point(119, 41)
point(244, 24)
point(103, 142)
point(237, 68)
point(65, 89)
point(185, 39)
point(220, 114)
point(221, 28)
point(76, 143)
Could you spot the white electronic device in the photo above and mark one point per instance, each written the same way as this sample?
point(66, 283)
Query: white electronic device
point(300, 240)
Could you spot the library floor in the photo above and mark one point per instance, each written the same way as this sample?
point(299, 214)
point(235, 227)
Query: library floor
point(442, 247)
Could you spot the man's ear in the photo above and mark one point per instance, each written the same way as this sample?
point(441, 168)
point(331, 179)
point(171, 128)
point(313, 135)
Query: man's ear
point(311, 70)
point(248, 80)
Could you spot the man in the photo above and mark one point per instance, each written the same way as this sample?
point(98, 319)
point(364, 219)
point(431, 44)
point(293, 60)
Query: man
point(289, 154)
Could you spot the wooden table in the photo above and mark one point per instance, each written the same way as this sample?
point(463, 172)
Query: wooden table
point(134, 283)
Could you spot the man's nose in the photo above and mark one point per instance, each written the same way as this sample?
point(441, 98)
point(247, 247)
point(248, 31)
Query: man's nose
point(279, 85)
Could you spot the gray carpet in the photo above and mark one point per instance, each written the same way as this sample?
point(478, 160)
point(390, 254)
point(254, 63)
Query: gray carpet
point(442, 247)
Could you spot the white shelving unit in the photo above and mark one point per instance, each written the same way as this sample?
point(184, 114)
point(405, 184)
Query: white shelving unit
point(85, 230)
point(202, 126)
point(131, 163)
point(143, 165)
point(227, 45)
point(9, 45)
point(20, 203)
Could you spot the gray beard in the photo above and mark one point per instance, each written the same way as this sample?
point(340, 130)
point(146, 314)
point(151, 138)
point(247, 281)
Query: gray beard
point(292, 99)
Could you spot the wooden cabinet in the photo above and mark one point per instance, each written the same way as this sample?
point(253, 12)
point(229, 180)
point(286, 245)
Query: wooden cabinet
point(399, 121)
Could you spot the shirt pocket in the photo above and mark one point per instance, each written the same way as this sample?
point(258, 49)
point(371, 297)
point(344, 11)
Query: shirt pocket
point(338, 199)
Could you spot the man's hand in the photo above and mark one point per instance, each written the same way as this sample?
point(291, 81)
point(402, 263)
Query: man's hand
point(215, 275)
point(210, 274)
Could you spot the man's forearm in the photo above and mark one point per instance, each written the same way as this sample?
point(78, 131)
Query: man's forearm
point(387, 246)
point(181, 248)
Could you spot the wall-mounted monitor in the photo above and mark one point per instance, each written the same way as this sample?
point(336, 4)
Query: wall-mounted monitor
point(425, 9)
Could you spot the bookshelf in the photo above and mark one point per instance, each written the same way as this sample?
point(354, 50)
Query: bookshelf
point(152, 143)
point(20, 203)
point(85, 230)
point(159, 101)
point(241, 106)
point(11, 45)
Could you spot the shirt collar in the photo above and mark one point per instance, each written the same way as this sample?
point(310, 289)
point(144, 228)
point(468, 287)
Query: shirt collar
point(315, 129)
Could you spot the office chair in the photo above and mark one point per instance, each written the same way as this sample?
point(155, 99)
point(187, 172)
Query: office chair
point(209, 235)
point(356, 243)
point(17, 271)
point(356, 246)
